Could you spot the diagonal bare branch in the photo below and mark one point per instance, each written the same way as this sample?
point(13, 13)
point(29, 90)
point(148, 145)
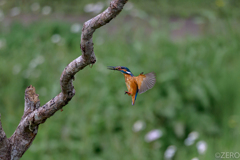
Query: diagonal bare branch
point(20, 141)
point(88, 57)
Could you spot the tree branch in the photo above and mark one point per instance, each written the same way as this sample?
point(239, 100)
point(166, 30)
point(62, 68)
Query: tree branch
point(87, 58)
point(26, 131)
point(4, 144)
point(34, 115)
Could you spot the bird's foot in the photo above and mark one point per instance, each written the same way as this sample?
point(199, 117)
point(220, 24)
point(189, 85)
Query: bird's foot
point(129, 93)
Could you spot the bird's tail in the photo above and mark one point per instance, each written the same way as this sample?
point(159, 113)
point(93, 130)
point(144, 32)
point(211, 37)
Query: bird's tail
point(134, 97)
point(133, 100)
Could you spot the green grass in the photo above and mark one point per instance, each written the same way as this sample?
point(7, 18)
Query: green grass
point(197, 89)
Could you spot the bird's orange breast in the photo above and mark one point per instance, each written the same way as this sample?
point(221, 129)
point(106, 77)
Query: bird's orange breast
point(131, 84)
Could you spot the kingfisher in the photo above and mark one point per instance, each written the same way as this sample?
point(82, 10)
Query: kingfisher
point(138, 84)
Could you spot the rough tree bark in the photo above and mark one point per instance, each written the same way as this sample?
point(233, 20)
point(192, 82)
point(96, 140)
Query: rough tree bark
point(14, 147)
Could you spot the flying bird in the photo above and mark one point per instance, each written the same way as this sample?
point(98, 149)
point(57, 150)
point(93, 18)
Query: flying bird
point(138, 84)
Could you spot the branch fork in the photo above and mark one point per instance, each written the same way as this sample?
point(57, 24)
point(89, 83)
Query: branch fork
point(14, 147)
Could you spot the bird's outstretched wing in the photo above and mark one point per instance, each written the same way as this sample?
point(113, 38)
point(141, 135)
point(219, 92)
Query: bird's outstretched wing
point(145, 81)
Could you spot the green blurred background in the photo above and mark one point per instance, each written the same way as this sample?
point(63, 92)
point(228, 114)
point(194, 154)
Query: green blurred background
point(191, 113)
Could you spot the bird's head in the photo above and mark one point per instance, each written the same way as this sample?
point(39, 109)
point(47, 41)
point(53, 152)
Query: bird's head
point(124, 70)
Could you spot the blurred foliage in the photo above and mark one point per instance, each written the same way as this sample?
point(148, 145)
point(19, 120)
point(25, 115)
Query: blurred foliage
point(197, 86)
point(184, 8)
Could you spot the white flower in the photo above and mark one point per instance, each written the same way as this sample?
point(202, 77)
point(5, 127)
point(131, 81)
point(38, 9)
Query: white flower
point(138, 126)
point(193, 135)
point(188, 141)
point(195, 158)
point(35, 6)
point(75, 28)
point(56, 38)
point(46, 10)
point(89, 8)
point(191, 138)
point(170, 152)
point(39, 59)
point(15, 11)
point(94, 8)
point(36, 61)
point(153, 135)
point(201, 147)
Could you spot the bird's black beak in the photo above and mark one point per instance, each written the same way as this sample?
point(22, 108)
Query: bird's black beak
point(112, 68)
